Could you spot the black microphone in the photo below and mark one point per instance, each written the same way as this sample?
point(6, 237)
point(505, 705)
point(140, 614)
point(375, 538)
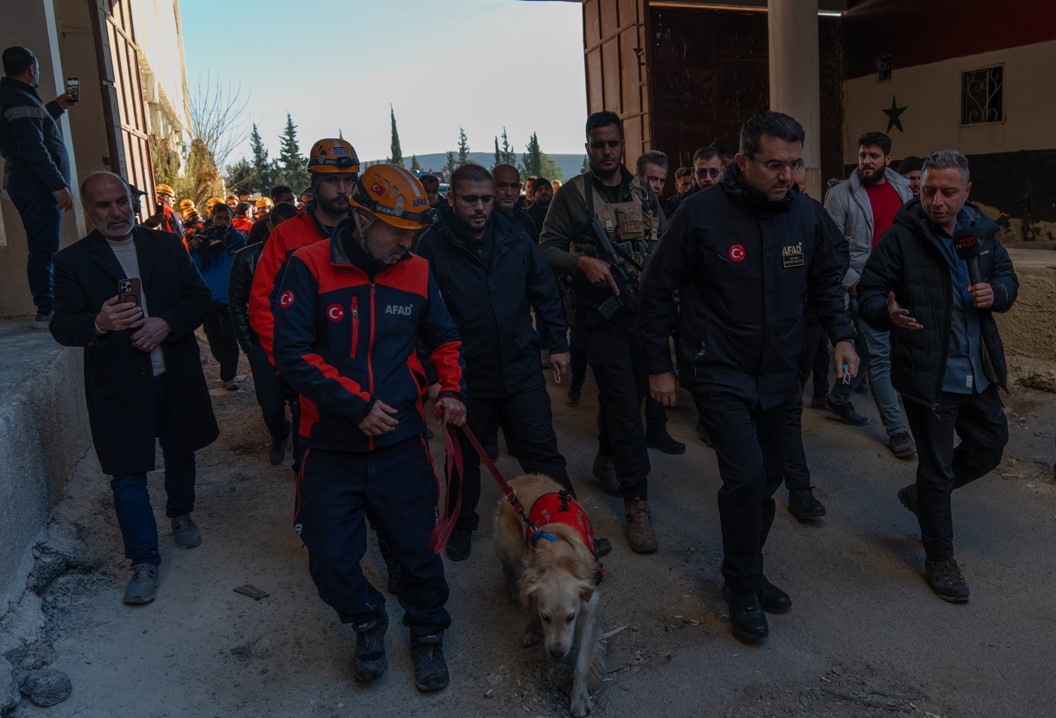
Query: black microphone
point(967, 248)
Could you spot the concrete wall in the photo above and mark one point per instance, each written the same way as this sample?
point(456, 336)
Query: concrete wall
point(43, 433)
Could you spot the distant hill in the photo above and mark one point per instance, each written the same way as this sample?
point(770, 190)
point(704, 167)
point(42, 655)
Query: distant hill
point(570, 165)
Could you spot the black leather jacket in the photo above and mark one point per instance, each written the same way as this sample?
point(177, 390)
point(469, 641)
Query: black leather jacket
point(239, 282)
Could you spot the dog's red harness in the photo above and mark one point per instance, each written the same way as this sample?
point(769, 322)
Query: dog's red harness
point(561, 508)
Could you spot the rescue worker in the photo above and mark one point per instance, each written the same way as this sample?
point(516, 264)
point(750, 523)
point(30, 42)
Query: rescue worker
point(746, 255)
point(351, 311)
point(492, 275)
point(263, 206)
point(165, 218)
point(334, 167)
point(611, 200)
point(241, 220)
point(261, 227)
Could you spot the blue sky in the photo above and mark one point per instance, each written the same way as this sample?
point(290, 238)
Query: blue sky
point(479, 64)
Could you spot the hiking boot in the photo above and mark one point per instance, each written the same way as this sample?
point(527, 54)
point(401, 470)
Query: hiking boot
point(574, 395)
point(605, 472)
point(746, 615)
point(460, 544)
point(231, 385)
point(430, 668)
point(907, 496)
point(602, 546)
point(640, 535)
point(946, 580)
point(819, 402)
point(902, 445)
point(143, 587)
point(277, 452)
point(803, 505)
point(185, 531)
point(42, 321)
point(369, 661)
point(665, 443)
point(846, 413)
point(771, 598)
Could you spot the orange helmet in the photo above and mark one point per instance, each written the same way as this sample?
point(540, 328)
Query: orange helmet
point(333, 155)
point(211, 201)
point(187, 204)
point(263, 202)
point(393, 195)
point(164, 189)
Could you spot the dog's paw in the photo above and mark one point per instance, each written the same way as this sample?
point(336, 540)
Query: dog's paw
point(531, 638)
point(580, 702)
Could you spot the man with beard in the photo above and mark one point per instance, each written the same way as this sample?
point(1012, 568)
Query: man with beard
point(541, 192)
point(508, 198)
point(707, 166)
point(910, 168)
point(132, 298)
point(352, 310)
point(863, 208)
point(609, 200)
point(491, 276)
point(334, 167)
point(746, 256)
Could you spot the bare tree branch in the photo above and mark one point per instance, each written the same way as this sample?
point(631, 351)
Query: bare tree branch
point(217, 117)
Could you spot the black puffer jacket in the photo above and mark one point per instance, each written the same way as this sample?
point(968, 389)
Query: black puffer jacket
point(746, 269)
point(31, 142)
point(909, 262)
point(491, 300)
point(240, 281)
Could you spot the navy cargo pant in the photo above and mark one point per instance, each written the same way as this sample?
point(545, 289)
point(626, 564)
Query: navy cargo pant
point(396, 487)
point(748, 445)
point(618, 363)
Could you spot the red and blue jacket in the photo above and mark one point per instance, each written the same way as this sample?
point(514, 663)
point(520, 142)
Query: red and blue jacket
point(288, 237)
point(345, 339)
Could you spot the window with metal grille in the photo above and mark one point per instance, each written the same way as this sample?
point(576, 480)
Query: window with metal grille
point(982, 95)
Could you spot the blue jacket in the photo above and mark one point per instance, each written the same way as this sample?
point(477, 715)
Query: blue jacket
point(216, 268)
point(345, 338)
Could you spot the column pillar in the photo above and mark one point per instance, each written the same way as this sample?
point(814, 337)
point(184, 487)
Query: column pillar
point(794, 75)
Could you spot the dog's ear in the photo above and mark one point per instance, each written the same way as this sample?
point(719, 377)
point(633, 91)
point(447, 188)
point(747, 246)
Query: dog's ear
point(529, 587)
point(586, 591)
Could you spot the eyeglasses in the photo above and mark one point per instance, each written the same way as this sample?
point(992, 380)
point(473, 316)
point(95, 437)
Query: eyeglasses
point(472, 199)
point(712, 172)
point(777, 166)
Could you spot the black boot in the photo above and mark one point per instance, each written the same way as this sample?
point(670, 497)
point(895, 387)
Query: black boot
point(430, 668)
point(746, 616)
point(369, 661)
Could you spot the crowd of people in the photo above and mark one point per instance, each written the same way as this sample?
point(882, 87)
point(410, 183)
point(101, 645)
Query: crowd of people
point(370, 296)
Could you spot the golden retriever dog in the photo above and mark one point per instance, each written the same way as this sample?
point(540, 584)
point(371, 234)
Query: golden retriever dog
point(556, 579)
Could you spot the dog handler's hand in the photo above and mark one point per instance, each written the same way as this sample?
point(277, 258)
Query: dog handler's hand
point(434, 391)
point(663, 388)
point(453, 411)
point(380, 420)
point(845, 356)
point(560, 363)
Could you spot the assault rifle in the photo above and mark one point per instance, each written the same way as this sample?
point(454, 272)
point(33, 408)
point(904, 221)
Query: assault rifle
point(628, 296)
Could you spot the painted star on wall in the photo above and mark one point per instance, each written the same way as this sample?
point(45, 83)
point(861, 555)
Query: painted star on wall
point(894, 115)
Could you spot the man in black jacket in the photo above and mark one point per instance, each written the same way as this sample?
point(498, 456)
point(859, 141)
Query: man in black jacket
point(132, 298)
point(37, 168)
point(746, 255)
point(491, 275)
point(271, 390)
point(946, 354)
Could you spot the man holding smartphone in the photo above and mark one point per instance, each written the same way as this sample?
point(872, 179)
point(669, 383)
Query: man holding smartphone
point(37, 168)
point(132, 298)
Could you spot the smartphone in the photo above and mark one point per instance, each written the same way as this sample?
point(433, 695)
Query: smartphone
point(73, 88)
point(159, 207)
point(129, 290)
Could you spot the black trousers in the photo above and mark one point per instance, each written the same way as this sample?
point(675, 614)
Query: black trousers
point(797, 473)
point(223, 344)
point(618, 363)
point(395, 488)
point(273, 394)
point(528, 424)
point(748, 445)
point(979, 420)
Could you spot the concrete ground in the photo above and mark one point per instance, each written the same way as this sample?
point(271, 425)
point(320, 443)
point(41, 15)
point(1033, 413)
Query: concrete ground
point(865, 635)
